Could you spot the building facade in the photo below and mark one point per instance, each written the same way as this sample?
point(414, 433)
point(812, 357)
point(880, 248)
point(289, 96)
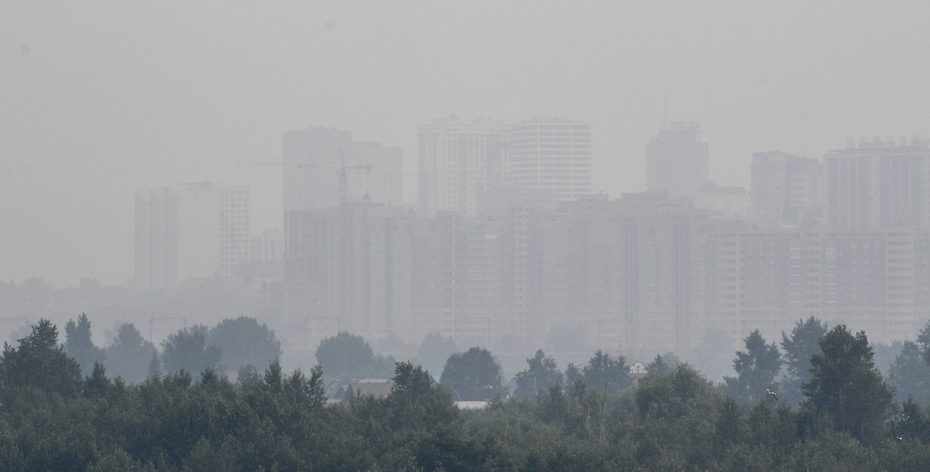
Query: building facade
point(552, 156)
point(458, 163)
point(324, 166)
point(677, 161)
point(878, 184)
point(786, 189)
point(190, 231)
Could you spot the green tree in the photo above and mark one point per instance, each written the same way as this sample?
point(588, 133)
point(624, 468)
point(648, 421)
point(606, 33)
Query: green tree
point(541, 373)
point(923, 341)
point(349, 357)
point(607, 374)
point(129, 355)
point(846, 385)
point(473, 375)
point(244, 342)
point(673, 394)
point(188, 349)
point(434, 351)
point(416, 399)
point(657, 366)
point(755, 369)
point(78, 344)
point(910, 374)
point(798, 349)
point(39, 362)
point(154, 366)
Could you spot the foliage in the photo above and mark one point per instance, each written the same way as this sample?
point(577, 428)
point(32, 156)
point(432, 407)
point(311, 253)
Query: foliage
point(277, 420)
point(713, 353)
point(129, 355)
point(845, 384)
point(349, 357)
point(607, 374)
point(434, 351)
point(756, 369)
point(39, 363)
point(78, 344)
point(473, 375)
point(798, 349)
point(910, 374)
point(657, 366)
point(923, 341)
point(243, 342)
point(541, 374)
point(673, 394)
point(188, 350)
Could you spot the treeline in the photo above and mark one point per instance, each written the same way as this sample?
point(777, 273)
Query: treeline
point(597, 416)
point(239, 345)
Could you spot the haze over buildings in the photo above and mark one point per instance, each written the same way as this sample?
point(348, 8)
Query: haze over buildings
point(458, 163)
point(677, 161)
point(521, 217)
point(190, 231)
point(323, 166)
point(112, 101)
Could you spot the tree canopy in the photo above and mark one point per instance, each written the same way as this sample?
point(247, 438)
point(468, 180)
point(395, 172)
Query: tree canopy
point(40, 363)
point(188, 350)
point(845, 384)
point(798, 347)
point(349, 357)
point(756, 368)
point(541, 374)
point(473, 375)
point(910, 374)
point(129, 355)
point(276, 420)
point(610, 375)
point(243, 342)
point(434, 351)
point(78, 344)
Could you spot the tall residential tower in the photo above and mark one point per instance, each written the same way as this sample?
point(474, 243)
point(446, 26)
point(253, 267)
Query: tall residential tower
point(552, 156)
point(677, 161)
point(459, 162)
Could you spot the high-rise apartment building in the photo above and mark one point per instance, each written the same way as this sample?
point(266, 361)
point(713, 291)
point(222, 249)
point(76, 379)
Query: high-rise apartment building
point(458, 163)
point(786, 189)
point(552, 156)
point(188, 231)
point(323, 166)
point(677, 161)
point(878, 184)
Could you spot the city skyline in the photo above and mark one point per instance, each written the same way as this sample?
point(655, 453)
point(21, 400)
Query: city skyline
point(98, 103)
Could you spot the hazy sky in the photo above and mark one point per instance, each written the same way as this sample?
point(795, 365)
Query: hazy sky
point(101, 100)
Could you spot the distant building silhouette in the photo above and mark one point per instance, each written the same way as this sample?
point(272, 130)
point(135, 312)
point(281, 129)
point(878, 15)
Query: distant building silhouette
point(677, 161)
point(318, 162)
point(459, 162)
point(786, 189)
point(190, 230)
point(878, 184)
point(552, 155)
point(723, 202)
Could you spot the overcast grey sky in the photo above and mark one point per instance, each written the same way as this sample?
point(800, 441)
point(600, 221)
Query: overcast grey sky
point(100, 100)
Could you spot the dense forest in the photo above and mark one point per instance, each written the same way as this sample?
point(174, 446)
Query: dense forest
point(814, 402)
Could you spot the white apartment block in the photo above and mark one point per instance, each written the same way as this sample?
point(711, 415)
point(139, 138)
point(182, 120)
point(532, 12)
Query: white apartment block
point(552, 156)
point(459, 163)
